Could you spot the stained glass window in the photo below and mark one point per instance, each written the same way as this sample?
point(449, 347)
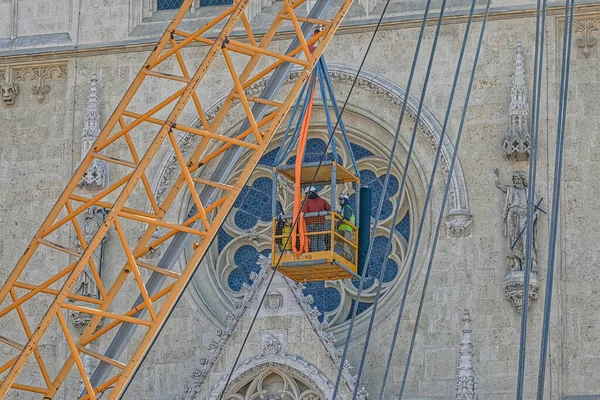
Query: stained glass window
point(175, 4)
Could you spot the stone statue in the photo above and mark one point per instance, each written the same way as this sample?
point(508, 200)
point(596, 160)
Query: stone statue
point(515, 221)
point(92, 219)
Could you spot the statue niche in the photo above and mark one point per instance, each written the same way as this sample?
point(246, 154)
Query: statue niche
point(515, 222)
point(515, 235)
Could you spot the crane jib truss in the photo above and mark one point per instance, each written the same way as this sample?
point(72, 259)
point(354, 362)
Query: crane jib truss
point(128, 178)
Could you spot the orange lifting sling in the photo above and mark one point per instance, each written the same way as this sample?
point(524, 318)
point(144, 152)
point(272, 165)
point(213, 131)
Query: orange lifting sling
point(300, 226)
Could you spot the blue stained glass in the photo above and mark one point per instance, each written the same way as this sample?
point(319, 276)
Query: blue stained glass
point(241, 197)
point(404, 226)
point(254, 203)
point(245, 259)
point(223, 239)
point(360, 152)
point(325, 299)
point(175, 4)
point(269, 158)
point(314, 152)
point(169, 4)
point(206, 3)
point(244, 220)
point(376, 263)
point(369, 179)
point(264, 185)
point(361, 307)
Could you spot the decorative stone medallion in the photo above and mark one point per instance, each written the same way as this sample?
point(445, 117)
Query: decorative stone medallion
point(274, 302)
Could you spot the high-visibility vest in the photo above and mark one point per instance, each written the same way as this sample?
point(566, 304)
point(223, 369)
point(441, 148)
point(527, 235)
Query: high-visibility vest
point(346, 227)
point(287, 239)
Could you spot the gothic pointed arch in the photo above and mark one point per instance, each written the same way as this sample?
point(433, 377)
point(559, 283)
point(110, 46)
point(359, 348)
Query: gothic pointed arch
point(274, 375)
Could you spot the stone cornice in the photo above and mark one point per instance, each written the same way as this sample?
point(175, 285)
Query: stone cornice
point(357, 26)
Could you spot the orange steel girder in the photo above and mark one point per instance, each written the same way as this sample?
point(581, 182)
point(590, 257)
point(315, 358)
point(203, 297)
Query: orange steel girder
point(122, 128)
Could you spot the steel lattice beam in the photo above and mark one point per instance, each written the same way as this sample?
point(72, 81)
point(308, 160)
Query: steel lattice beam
point(123, 131)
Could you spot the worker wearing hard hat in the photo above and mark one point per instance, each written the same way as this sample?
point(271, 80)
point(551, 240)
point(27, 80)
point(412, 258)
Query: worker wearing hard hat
point(315, 203)
point(347, 215)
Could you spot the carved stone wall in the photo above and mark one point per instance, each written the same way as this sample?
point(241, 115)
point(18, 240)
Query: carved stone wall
point(40, 76)
point(43, 141)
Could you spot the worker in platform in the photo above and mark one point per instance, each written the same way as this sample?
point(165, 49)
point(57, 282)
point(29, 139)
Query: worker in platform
point(315, 203)
point(344, 228)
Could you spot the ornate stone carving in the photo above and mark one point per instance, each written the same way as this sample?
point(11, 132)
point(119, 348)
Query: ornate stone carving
point(40, 74)
point(585, 34)
point(274, 302)
point(458, 223)
point(327, 339)
point(8, 87)
point(231, 321)
point(362, 393)
point(271, 346)
point(314, 313)
point(515, 221)
point(517, 139)
point(80, 320)
point(465, 378)
point(514, 283)
point(95, 178)
point(283, 371)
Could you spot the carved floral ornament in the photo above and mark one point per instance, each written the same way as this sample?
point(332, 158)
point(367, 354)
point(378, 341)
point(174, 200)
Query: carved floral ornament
point(41, 75)
point(585, 34)
point(585, 28)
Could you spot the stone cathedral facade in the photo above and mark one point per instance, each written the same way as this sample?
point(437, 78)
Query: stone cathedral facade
point(64, 65)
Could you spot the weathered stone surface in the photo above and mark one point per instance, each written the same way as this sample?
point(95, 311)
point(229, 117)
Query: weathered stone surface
point(40, 146)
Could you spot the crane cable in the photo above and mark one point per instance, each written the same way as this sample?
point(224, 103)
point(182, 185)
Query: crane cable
point(431, 180)
point(300, 227)
point(533, 158)
point(401, 191)
point(558, 164)
point(442, 208)
point(323, 156)
point(382, 196)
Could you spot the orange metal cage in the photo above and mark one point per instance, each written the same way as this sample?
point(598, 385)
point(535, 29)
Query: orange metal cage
point(337, 259)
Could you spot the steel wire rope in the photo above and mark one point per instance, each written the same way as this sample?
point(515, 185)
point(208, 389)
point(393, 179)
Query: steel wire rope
point(382, 197)
point(438, 152)
point(532, 177)
point(558, 164)
point(401, 192)
point(442, 208)
point(323, 156)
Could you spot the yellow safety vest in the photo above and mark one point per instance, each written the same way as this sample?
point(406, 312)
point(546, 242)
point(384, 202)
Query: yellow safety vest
point(285, 232)
point(346, 227)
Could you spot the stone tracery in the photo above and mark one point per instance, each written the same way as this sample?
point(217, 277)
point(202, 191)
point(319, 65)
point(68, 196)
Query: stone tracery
point(254, 233)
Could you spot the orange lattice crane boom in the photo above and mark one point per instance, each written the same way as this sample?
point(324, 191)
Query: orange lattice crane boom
point(44, 277)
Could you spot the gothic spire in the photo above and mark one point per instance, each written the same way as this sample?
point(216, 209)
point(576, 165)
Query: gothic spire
point(91, 124)
point(465, 379)
point(518, 93)
point(95, 177)
point(516, 139)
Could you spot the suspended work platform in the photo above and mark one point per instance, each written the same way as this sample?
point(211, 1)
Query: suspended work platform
point(332, 255)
